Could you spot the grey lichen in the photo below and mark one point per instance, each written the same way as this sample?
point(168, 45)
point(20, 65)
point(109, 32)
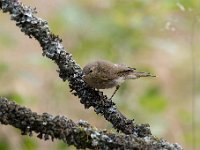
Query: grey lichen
point(68, 68)
point(82, 135)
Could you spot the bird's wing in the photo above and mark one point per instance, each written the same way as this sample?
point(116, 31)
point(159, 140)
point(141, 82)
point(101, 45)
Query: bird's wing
point(122, 69)
point(106, 77)
point(132, 68)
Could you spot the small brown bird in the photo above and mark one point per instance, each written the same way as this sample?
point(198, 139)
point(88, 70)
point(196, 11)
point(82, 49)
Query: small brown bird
point(104, 74)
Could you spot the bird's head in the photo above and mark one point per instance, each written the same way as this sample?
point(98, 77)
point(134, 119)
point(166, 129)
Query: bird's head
point(89, 71)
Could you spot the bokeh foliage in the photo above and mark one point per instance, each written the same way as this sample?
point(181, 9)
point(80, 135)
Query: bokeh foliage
point(154, 36)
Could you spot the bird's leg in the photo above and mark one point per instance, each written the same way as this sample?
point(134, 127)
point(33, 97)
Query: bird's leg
point(117, 87)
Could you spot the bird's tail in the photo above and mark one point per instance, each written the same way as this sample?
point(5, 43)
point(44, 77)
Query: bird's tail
point(135, 75)
point(143, 74)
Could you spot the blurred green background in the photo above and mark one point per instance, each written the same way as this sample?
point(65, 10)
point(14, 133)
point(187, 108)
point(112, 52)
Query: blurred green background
point(161, 37)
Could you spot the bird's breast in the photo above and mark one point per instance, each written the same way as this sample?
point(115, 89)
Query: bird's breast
point(119, 80)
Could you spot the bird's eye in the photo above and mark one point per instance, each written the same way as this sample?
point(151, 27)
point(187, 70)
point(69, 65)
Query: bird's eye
point(90, 71)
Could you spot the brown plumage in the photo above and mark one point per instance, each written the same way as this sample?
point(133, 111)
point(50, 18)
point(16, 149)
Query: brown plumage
point(104, 74)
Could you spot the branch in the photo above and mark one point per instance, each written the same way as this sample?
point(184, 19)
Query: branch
point(81, 134)
point(68, 68)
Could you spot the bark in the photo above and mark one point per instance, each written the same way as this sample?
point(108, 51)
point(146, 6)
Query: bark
point(135, 136)
point(80, 134)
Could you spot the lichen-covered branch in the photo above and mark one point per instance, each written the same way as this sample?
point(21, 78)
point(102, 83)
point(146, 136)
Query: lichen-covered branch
point(81, 134)
point(68, 68)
